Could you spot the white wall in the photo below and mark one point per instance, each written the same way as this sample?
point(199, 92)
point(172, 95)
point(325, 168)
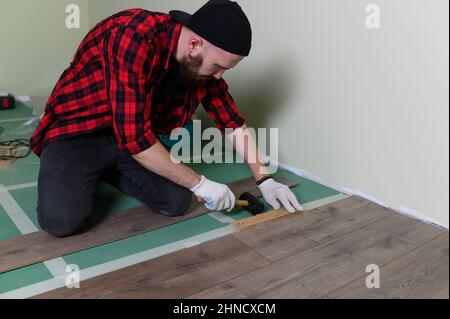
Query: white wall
point(35, 45)
point(100, 9)
point(364, 109)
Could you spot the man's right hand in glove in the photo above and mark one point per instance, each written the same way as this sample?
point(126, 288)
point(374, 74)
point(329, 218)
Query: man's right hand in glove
point(158, 160)
point(216, 196)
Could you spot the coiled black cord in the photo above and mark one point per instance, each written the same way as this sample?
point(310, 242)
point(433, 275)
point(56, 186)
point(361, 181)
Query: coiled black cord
point(14, 144)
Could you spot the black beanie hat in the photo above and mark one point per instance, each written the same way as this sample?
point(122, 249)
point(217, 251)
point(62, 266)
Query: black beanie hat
point(221, 22)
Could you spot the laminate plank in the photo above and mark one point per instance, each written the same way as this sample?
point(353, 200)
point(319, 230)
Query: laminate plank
point(172, 276)
point(319, 270)
point(295, 233)
point(36, 247)
point(421, 273)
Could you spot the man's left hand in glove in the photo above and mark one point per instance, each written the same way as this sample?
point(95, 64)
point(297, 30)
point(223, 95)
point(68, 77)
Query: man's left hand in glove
point(276, 193)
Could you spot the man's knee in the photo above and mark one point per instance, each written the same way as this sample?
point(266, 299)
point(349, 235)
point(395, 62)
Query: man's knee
point(58, 225)
point(177, 204)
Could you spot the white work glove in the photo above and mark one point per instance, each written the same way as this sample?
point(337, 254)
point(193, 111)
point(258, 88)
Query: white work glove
point(216, 196)
point(275, 192)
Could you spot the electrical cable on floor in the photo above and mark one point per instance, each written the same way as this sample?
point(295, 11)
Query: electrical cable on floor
point(14, 145)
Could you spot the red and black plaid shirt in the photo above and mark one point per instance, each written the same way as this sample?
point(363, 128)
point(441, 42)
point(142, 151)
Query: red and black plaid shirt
point(122, 75)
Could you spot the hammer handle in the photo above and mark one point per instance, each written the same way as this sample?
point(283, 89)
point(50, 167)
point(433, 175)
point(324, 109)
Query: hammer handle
point(238, 202)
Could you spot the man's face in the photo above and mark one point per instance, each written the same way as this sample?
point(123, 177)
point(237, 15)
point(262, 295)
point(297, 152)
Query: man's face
point(209, 63)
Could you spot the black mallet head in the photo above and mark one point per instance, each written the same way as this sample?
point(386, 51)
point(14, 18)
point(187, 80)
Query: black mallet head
point(254, 205)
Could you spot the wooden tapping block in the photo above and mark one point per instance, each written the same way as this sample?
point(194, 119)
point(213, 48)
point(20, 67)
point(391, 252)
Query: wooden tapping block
point(245, 223)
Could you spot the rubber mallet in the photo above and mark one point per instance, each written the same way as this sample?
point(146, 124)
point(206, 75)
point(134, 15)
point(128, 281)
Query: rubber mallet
point(246, 200)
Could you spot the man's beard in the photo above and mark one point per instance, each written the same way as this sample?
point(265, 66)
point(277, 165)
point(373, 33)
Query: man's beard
point(189, 70)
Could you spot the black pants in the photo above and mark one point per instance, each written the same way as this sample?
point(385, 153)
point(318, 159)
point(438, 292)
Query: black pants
point(70, 170)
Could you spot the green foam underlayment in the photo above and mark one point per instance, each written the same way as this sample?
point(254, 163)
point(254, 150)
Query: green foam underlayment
point(110, 200)
point(23, 277)
point(142, 242)
point(20, 110)
point(7, 227)
point(23, 171)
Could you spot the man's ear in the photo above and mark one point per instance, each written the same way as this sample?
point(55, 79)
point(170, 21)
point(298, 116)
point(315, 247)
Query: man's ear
point(195, 46)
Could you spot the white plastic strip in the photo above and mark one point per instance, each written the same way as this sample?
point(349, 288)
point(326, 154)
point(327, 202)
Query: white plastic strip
point(221, 217)
point(57, 267)
point(418, 215)
point(17, 119)
point(17, 215)
point(190, 244)
point(23, 223)
point(21, 186)
point(365, 196)
point(94, 271)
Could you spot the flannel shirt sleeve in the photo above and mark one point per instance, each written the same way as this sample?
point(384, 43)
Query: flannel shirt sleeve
point(220, 106)
point(128, 59)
